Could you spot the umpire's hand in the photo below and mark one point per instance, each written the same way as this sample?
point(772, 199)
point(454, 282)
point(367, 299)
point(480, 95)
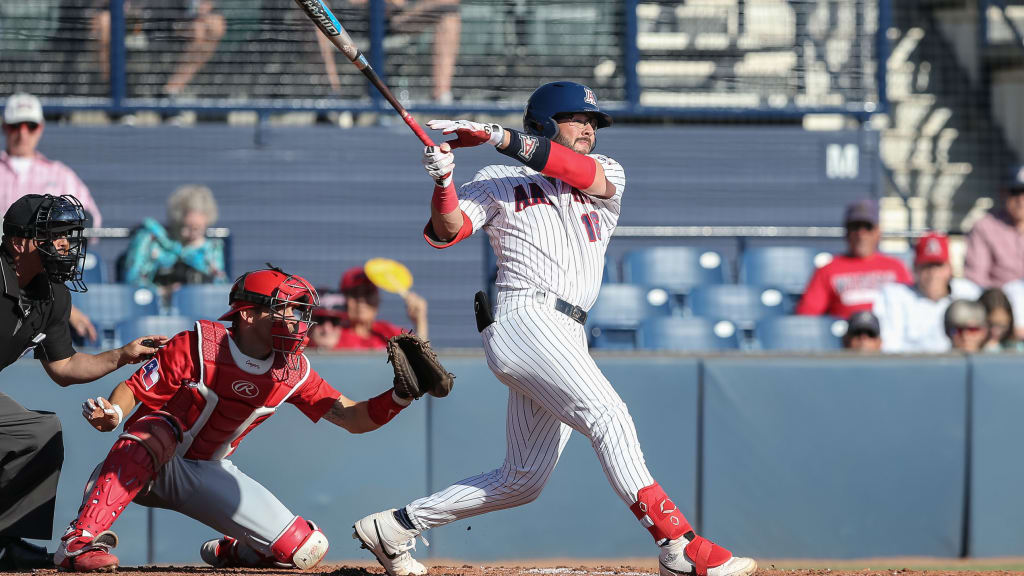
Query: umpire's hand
point(135, 351)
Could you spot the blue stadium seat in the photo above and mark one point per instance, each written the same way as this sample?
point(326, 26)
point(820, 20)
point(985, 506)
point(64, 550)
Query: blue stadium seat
point(108, 304)
point(741, 304)
point(689, 334)
point(129, 330)
point(788, 268)
point(201, 301)
point(614, 318)
point(676, 268)
point(95, 270)
point(807, 333)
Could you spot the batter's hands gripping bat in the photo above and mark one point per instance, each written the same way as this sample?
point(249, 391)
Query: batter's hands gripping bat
point(324, 19)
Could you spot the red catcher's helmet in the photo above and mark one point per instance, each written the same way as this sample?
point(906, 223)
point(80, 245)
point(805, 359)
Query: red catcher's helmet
point(276, 291)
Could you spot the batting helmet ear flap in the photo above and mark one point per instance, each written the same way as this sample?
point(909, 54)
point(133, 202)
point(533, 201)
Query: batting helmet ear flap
point(546, 127)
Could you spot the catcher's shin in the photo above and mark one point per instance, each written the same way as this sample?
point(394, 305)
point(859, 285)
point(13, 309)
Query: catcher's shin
point(417, 369)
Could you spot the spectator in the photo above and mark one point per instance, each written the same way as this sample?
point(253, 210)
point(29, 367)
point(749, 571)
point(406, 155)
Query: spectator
point(995, 245)
point(181, 253)
point(911, 317)
point(42, 248)
point(965, 325)
point(410, 18)
point(195, 20)
point(358, 328)
point(24, 170)
point(863, 333)
point(850, 282)
point(326, 333)
point(999, 318)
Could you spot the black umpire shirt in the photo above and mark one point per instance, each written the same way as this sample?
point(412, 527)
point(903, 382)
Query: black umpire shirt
point(35, 317)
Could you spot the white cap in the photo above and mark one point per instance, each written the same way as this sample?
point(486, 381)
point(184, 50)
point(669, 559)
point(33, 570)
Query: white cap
point(22, 107)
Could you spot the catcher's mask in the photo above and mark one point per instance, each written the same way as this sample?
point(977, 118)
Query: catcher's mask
point(47, 219)
point(290, 300)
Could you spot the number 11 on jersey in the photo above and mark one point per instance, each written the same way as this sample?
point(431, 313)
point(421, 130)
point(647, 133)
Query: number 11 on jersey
point(592, 222)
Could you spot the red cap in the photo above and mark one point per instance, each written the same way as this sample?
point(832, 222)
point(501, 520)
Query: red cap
point(354, 278)
point(932, 248)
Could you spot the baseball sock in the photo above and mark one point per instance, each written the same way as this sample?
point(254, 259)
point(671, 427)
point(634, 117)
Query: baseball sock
point(402, 515)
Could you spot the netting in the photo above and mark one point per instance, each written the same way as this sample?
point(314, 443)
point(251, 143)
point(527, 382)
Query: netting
point(738, 54)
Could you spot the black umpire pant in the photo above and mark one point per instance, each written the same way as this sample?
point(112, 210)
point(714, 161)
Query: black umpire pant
point(31, 454)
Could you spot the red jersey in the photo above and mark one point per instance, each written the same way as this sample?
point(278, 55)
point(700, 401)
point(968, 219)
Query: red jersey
point(220, 394)
point(380, 332)
point(847, 284)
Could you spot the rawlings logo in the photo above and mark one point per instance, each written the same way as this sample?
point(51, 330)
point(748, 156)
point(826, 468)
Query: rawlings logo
point(150, 373)
point(589, 97)
point(245, 389)
point(527, 146)
point(252, 364)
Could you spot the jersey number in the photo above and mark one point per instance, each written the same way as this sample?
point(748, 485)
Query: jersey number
point(592, 222)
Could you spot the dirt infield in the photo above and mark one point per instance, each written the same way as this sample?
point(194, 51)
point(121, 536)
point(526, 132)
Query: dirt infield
point(640, 567)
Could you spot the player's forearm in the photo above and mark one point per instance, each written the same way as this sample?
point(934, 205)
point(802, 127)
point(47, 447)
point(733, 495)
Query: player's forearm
point(354, 417)
point(122, 396)
point(446, 226)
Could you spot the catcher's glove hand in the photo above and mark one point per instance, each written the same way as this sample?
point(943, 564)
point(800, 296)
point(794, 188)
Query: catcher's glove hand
point(417, 369)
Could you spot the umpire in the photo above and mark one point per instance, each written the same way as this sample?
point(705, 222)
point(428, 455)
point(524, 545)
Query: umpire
point(42, 248)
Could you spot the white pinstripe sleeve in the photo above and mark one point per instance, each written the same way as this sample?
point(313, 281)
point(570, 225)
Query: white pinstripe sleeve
point(476, 200)
point(614, 173)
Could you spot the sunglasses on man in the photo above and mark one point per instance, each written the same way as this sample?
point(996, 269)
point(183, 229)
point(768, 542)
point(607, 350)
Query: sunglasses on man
point(17, 126)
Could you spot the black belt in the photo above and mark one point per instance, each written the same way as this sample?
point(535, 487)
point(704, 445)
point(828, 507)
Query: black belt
point(575, 312)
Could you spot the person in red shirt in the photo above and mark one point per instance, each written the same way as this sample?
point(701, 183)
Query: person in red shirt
point(851, 281)
point(197, 398)
point(357, 328)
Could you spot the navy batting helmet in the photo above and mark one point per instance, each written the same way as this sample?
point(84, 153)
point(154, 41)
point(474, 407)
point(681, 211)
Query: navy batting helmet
point(556, 98)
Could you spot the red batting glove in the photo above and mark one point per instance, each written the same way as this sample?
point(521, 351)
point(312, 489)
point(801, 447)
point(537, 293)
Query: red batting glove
point(468, 133)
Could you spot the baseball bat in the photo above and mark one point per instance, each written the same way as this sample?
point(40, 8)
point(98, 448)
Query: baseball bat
point(321, 15)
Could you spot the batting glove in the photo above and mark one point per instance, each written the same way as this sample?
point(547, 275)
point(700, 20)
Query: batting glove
point(468, 133)
point(440, 165)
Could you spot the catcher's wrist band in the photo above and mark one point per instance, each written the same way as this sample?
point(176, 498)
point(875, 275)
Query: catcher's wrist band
point(552, 159)
point(382, 408)
point(399, 400)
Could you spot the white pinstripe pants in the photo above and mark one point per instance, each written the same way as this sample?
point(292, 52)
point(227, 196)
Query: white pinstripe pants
point(554, 388)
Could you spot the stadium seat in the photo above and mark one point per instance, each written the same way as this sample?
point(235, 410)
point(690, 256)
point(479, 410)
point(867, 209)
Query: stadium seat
point(807, 333)
point(95, 270)
point(676, 268)
point(108, 304)
point(688, 334)
point(129, 330)
point(788, 268)
point(201, 301)
point(741, 304)
point(620, 308)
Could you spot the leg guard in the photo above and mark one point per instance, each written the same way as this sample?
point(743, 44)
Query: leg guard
point(133, 461)
point(659, 514)
point(302, 543)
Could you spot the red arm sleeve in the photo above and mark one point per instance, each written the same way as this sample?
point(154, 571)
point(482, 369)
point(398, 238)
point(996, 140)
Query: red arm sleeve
point(158, 379)
point(315, 397)
point(816, 298)
point(465, 232)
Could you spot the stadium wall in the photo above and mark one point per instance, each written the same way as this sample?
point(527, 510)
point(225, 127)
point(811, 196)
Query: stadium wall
point(773, 456)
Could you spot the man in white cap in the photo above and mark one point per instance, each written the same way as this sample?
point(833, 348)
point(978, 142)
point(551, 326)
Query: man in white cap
point(24, 170)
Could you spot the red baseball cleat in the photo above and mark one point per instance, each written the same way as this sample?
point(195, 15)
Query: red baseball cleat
point(80, 551)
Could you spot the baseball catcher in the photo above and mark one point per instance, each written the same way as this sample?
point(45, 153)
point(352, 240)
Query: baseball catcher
point(197, 399)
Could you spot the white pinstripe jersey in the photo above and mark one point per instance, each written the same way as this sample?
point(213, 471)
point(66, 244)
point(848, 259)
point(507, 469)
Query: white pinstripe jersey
point(545, 234)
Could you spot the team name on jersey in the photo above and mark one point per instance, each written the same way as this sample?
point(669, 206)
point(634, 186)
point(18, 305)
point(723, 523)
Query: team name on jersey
point(536, 196)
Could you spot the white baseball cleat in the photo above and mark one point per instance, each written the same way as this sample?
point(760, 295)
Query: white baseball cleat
point(381, 534)
point(674, 561)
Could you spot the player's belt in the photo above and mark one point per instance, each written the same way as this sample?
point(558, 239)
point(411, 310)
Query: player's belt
point(575, 312)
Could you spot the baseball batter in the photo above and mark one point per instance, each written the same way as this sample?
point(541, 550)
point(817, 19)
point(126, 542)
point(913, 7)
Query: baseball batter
point(549, 218)
point(200, 395)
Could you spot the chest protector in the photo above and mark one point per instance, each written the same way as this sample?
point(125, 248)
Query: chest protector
point(227, 402)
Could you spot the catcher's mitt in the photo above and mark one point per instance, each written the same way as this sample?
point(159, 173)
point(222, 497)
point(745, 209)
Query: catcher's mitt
point(417, 369)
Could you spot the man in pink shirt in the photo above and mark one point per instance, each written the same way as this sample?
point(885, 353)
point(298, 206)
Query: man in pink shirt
point(851, 282)
point(23, 171)
point(995, 245)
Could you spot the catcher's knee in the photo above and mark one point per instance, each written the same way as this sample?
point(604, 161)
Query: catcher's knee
point(302, 543)
point(159, 433)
